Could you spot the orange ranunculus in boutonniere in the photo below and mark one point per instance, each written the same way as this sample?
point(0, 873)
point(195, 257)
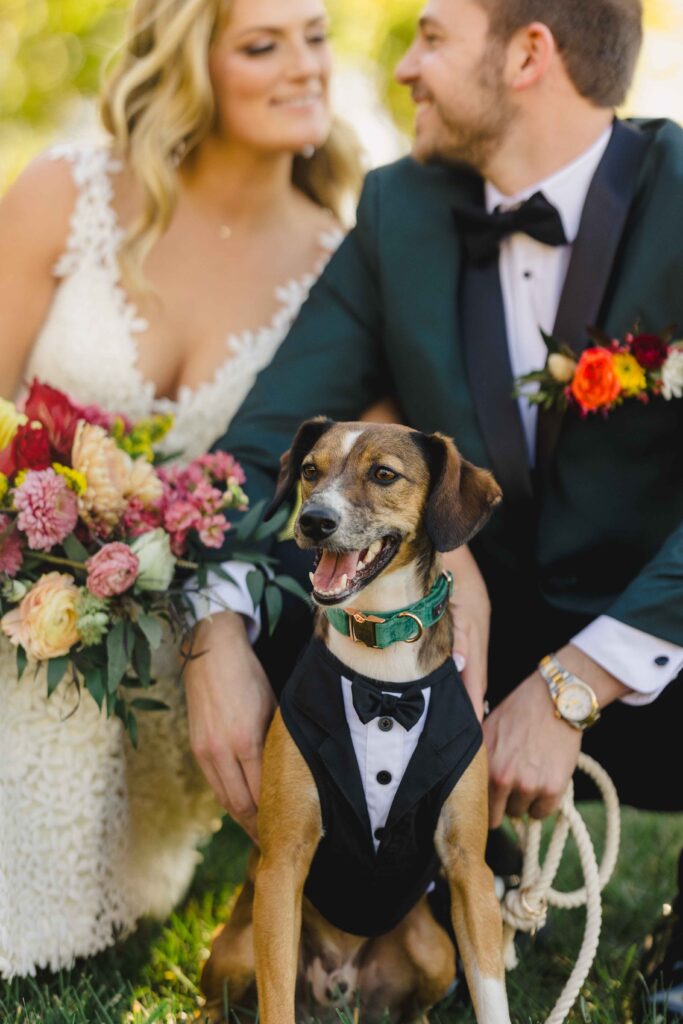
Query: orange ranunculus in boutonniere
point(642, 366)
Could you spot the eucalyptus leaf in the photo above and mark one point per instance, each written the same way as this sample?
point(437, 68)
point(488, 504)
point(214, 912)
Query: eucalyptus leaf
point(256, 583)
point(142, 659)
point(273, 525)
point(132, 727)
point(292, 587)
point(250, 521)
point(74, 549)
point(117, 656)
point(273, 606)
point(218, 570)
point(147, 704)
point(550, 343)
point(22, 661)
point(56, 669)
point(255, 557)
point(94, 684)
point(152, 629)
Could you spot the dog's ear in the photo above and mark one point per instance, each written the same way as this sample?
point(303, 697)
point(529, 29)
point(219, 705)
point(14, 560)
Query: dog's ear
point(308, 434)
point(461, 497)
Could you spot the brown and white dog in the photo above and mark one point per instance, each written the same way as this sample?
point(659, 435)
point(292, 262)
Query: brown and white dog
point(378, 502)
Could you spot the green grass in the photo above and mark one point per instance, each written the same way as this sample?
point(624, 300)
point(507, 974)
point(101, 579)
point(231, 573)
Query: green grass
point(153, 976)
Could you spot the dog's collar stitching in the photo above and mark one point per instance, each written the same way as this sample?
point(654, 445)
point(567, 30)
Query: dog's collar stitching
point(382, 629)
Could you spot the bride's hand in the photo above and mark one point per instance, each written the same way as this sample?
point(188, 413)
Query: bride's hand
point(230, 704)
point(471, 612)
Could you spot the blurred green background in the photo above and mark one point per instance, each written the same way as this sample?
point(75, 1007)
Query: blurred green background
point(52, 54)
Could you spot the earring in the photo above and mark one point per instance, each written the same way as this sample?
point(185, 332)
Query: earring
point(308, 151)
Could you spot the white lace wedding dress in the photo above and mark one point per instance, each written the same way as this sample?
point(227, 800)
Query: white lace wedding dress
point(93, 834)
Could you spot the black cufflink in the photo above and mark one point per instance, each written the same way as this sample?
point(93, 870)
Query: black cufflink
point(662, 660)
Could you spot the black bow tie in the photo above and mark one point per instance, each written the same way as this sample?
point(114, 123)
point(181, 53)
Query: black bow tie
point(482, 232)
point(370, 703)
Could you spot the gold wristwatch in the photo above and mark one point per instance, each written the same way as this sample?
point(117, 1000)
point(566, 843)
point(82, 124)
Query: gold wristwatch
point(574, 700)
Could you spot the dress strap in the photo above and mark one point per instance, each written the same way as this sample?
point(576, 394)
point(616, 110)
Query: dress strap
point(94, 232)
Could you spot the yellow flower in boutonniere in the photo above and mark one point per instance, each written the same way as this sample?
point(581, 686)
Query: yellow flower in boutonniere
point(630, 374)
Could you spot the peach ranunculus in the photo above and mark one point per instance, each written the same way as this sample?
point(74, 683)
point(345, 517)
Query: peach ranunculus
point(45, 621)
point(595, 384)
point(113, 478)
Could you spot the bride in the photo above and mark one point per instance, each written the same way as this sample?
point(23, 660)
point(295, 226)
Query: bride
point(159, 273)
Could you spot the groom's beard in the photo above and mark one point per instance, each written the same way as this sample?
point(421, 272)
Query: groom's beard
point(472, 138)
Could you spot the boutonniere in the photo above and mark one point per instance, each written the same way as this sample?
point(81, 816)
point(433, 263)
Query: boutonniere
point(642, 367)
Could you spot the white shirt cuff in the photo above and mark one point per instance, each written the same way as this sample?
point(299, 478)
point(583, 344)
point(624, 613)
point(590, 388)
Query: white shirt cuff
point(639, 660)
point(221, 595)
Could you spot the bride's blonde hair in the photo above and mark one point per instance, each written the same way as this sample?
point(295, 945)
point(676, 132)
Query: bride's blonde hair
point(159, 105)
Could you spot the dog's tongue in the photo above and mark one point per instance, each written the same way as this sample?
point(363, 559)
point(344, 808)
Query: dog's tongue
point(332, 567)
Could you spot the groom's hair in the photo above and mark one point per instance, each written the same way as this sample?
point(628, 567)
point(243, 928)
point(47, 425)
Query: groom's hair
point(598, 40)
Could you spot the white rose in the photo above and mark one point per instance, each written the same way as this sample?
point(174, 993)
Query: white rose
point(672, 375)
point(157, 563)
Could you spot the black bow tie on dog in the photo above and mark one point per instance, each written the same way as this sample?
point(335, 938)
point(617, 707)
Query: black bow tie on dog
point(370, 703)
point(482, 232)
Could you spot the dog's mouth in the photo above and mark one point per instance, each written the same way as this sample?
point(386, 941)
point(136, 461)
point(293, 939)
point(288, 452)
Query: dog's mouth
point(339, 574)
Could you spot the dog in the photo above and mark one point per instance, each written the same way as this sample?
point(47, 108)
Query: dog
point(374, 774)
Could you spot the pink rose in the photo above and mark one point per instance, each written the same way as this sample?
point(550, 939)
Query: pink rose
point(112, 570)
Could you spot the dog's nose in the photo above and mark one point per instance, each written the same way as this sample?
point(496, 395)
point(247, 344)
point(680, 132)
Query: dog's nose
point(318, 522)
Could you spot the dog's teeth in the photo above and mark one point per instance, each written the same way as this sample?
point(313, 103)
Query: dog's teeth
point(361, 564)
point(342, 584)
point(311, 578)
point(373, 551)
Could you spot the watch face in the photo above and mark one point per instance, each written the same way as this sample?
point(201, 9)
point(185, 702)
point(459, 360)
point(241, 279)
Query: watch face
point(575, 702)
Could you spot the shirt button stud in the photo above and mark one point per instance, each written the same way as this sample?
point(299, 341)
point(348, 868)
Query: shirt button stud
point(386, 724)
point(384, 778)
point(662, 660)
point(379, 833)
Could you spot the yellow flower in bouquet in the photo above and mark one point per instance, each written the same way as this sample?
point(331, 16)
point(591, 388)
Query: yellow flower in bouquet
point(10, 421)
point(44, 624)
point(630, 374)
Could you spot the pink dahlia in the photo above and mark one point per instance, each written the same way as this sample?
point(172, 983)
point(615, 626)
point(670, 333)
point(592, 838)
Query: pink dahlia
point(48, 509)
point(112, 570)
point(10, 547)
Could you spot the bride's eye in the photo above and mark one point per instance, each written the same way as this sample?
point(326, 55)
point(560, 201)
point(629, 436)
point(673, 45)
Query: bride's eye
point(318, 39)
point(259, 49)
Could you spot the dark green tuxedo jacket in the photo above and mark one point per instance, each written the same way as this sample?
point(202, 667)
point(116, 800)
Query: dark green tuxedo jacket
point(602, 530)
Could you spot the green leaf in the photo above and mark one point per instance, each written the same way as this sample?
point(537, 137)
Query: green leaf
point(147, 704)
point(74, 549)
point(219, 571)
point(292, 587)
point(256, 583)
point(117, 656)
point(255, 557)
point(22, 661)
point(94, 684)
point(273, 606)
point(250, 521)
point(273, 525)
point(56, 669)
point(550, 343)
point(152, 628)
point(132, 727)
point(142, 659)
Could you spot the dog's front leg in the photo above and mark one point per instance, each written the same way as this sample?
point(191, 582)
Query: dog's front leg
point(290, 827)
point(461, 843)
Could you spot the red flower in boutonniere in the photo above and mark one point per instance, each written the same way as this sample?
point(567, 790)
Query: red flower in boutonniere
point(609, 372)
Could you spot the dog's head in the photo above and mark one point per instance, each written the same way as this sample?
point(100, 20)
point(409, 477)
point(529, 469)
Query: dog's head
point(375, 496)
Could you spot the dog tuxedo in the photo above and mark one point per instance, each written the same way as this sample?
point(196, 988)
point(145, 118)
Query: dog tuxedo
point(384, 757)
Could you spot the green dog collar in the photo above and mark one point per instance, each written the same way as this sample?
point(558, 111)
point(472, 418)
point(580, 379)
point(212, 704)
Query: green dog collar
point(406, 625)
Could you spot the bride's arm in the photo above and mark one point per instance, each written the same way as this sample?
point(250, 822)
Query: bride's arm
point(34, 222)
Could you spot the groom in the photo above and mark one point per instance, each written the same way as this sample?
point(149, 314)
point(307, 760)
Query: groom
point(432, 300)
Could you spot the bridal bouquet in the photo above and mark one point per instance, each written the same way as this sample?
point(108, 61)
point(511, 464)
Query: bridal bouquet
point(94, 539)
point(641, 367)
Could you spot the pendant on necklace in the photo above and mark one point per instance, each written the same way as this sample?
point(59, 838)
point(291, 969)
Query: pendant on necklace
point(224, 231)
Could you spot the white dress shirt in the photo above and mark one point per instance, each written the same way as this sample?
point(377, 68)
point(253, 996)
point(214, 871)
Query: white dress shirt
point(532, 277)
point(532, 280)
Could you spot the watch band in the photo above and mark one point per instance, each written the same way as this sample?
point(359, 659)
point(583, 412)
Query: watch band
point(558, 679)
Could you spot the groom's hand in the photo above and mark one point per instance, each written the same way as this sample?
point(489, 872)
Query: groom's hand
point(230, 704)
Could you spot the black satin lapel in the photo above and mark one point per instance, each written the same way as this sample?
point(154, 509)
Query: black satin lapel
point(340, 759)
point(606, 209)
point(489, 375)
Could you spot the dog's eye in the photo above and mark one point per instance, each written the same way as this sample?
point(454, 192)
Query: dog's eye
point(309, 472)
point(384, 475)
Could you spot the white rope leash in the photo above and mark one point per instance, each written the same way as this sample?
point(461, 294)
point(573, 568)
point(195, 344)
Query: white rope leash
point(525, 909)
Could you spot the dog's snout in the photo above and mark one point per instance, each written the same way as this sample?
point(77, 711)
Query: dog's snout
point(318, 522)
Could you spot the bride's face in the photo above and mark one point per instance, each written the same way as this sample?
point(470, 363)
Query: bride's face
point(270, 69)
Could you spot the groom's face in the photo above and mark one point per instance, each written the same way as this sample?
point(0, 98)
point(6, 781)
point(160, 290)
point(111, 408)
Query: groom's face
point(456, 73)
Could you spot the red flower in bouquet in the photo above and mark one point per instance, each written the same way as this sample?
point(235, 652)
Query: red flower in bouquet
point(650, 350)
point(57, 414)
point(11, 555)
point(29, 449)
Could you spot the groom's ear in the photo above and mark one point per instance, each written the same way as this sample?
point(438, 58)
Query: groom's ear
point(308, 434)
point(461, 496)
